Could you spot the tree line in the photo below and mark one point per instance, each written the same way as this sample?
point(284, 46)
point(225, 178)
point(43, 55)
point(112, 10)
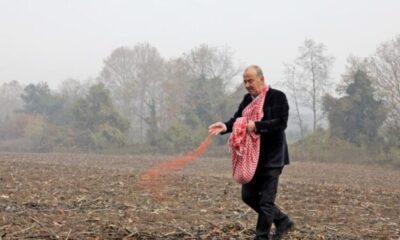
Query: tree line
point(141, 100)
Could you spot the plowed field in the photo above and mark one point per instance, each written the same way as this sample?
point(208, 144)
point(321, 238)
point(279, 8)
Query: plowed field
point(74, 196)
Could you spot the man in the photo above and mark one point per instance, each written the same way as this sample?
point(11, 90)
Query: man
point(260, 192)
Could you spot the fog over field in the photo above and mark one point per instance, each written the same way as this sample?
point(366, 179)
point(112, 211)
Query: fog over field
point(54, 40)
point(105, 108)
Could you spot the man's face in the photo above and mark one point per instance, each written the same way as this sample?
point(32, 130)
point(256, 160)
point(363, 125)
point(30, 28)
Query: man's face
point(253, 82)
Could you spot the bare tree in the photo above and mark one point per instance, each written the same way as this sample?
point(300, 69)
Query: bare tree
point(135, 77)
point(212, 63)
point(71, 89)
point(176, 86)
point(118, 74)
point(385, 68)
point(150, 72)
point(291, 83)
point(314, 66)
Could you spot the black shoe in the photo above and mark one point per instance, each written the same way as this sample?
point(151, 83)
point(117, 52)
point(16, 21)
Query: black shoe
point(263, 238)
point(282, 228)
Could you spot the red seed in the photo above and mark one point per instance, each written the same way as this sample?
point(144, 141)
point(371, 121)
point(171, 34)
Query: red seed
point(150, 178)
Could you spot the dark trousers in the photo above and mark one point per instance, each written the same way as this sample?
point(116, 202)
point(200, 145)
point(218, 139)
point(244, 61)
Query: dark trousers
point(260, 194)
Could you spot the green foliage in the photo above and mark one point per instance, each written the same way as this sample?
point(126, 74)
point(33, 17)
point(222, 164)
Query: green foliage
point(321, 146)
point(393, 156)
point(392, 136)
point(39, 100)
point(34, 128)
point(194, 97)
point(181, 137)
point(205, 99)
point(357, 116)
point(107, 137)
point(37, 133)
point(98, 123)
point(55, 138)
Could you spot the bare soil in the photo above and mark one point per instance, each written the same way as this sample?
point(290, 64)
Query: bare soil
point(77, 196)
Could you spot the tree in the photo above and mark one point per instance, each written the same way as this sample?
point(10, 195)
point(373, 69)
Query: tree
point(136, 77)
point(357, 116)
point(291, 83)
point(71, 89)
point(10, 99)
point(384, 66)
point(150, 69)
point(314, 67)
point(39, 100)
point(210, 70)
point(196, 94)
point(99, 124)
point(118, 75)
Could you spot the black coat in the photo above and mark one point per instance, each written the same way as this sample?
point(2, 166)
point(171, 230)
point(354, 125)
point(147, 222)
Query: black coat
point(273, 145)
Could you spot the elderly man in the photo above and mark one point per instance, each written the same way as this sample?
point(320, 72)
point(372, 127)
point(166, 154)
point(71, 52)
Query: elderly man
point(260, 177)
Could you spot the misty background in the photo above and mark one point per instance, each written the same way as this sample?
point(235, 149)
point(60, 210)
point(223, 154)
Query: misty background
point(150, 76)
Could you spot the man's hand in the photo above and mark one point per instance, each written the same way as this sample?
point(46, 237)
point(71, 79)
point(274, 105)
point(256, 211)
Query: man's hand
point(217, 128)
point(251, 127)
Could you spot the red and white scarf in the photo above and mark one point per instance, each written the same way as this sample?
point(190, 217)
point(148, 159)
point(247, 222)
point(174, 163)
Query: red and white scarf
point(245, 147)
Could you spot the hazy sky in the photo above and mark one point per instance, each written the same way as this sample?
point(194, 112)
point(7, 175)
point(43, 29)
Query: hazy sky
point(51, 40)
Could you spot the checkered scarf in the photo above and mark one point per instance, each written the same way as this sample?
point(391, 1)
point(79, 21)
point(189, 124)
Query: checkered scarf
point(245, 147)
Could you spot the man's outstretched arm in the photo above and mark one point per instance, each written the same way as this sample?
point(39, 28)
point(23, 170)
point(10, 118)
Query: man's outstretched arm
point(226, 127)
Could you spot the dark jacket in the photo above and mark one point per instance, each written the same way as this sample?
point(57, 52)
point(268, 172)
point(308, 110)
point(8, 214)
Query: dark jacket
point(274, 149)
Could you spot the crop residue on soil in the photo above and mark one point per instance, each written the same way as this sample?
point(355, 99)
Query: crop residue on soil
point(153, 180)
point(80, 196)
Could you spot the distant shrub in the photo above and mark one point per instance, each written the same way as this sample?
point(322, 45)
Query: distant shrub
point(322, 147)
